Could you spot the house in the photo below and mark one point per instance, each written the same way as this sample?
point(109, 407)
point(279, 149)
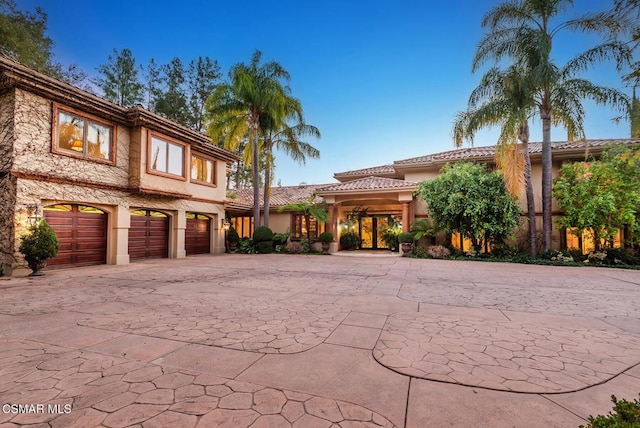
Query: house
point(385, 193)
point(116, 184)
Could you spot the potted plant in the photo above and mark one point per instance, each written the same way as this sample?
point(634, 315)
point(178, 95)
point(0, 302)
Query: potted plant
point(39, 245)
point(325, 238)
point(406, 242)
point(232, 239)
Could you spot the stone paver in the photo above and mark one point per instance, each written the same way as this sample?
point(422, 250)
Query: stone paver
point(240, 404)
point(504, 355)
point(272, 340)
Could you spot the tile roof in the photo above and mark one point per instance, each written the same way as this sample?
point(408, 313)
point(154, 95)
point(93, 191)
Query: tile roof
point(369, 183)
point(280, 196)
point(374, 170)
point(489, 151)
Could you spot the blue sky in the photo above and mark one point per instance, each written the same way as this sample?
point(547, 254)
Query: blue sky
point(381, 80)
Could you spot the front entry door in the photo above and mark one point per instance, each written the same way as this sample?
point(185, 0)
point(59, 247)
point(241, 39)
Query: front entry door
point(371, 228)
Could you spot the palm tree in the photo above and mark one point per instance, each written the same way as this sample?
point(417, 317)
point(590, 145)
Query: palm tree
point(504, 98)
point(278, 134)
point(309, 209)
point(522, 30)
point(235, 108)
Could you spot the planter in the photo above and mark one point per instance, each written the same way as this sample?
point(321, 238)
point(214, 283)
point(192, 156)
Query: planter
point(325, 247)
point(36, 266)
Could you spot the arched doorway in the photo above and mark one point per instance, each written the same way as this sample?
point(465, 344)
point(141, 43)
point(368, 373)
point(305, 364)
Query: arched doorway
point(198, 234)
point(81, 232)
point(148, 235)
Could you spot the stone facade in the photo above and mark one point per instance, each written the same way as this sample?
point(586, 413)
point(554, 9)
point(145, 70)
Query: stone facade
point(35, 174)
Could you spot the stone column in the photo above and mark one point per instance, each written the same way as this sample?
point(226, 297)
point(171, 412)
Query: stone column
point(119, 236)
point(405, 217)
point(180, 228)
point(331, 209)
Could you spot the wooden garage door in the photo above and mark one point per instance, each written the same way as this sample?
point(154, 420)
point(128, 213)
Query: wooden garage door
point(198, 234)
point(82, 235)
point(148, 235)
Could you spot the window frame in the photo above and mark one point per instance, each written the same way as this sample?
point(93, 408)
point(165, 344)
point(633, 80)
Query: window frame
point(185, 155)
point(214, 173)
point(55, 143)
point(297, 219)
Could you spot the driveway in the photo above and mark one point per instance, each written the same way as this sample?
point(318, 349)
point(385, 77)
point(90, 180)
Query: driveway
point(279, 340)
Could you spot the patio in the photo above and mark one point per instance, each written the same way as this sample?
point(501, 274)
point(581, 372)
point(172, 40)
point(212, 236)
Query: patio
point(278, 340)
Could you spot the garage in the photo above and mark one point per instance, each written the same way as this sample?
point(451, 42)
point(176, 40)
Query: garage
point(148, 235)
point(82, 235)
point(198, 234)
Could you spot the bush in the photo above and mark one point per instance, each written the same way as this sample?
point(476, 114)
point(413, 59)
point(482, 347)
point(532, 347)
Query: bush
point(280, 239)
point(246, 246)
point(325, 237)
point(350, 241)
point(232, 236)
point(264, 247)
point(406, 238)
point(626, 256)
point(39, 245)
point(262, 233)
point(626, 414)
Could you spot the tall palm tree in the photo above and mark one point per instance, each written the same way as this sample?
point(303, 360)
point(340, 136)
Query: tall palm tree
point(504, 98)
point(523, 30)
point(235, 108)
point(278, 134)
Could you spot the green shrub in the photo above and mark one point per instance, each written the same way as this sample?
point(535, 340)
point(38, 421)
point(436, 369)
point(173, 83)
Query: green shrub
point(232, 236)
point(626, 414)
point(326, 237)
point(280, 238)
point(39, 245)
point(264, 247)
point(262, 233)
point(246, 246)
point(406, 238)
point(625, 256)
point(350, 241)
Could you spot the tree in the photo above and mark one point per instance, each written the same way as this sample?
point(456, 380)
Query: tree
point(600, 197)
point(467, 199)
point(119, 79)
point(236, 107)
point(523, 31)
point(505, 98)
point(309, 209)
point(23, 38)
point(277, 133)
point(202, 78)
point(152, 84)
point(172, 101)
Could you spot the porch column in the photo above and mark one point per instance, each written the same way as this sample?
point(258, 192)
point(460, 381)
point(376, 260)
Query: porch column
point(331, 223)
point(405, 217)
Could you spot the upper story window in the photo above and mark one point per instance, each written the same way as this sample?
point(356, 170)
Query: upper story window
point(166, 157)
point(203, 170)
point(79, 135)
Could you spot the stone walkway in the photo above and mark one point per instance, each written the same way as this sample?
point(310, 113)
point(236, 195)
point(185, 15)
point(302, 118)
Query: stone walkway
point(275, 340)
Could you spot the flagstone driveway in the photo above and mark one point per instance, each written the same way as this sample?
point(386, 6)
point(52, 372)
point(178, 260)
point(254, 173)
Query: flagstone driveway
point(276, 340)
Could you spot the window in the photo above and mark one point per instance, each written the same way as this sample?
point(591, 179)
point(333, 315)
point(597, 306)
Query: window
point(299, 227)
point(80, 136)
point(243, 225)
point(166, 157)
point(203, 170)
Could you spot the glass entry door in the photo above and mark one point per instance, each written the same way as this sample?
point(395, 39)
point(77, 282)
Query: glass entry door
point(371, 228)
